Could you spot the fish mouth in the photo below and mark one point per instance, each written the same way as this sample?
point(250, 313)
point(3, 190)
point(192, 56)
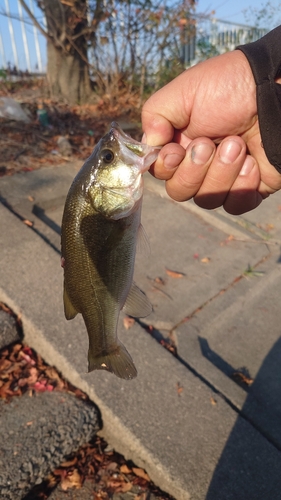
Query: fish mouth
point(147, 153)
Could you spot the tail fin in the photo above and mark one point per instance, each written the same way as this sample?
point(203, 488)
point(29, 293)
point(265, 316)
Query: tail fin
point(118, 362)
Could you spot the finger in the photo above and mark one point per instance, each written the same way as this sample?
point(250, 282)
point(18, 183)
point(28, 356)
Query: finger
point(243, 195)
point(168, 160)
point(223, 171)
point(189, 175)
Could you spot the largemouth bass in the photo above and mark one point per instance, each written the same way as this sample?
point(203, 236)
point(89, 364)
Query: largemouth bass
point(100, 227)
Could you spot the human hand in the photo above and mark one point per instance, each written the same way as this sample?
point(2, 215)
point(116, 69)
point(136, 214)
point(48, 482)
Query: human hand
point(206, 119)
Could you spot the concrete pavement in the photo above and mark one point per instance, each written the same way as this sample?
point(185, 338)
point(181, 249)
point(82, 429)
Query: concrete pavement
point(198, 430)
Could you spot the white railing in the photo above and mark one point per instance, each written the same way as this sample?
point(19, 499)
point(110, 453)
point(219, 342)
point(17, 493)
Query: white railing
point(215, 36)
point(22, 46)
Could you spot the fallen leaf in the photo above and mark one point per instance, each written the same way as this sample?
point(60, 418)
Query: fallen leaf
point(69, 463)
point(112, 466)
point(31, 198)
point(205, 260)
point(42, 386)
point(28, 222)
point(174, 274)
point(159, 280)
point(125, 469)
point(141, 473)
point(4, 364)
point(5, 308)
point(27, 358)
point(124, 488)
point(54, 377)
point(72, 480)
point(179, 388)
point(169, 346)
point(213, 401)
point(128, 322)
point(241, 377)
point(5, 390)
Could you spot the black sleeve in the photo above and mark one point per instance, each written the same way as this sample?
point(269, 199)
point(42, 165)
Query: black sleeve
point(264, 57)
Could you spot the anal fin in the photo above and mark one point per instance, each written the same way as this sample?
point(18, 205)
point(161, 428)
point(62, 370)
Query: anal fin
point(137, 303)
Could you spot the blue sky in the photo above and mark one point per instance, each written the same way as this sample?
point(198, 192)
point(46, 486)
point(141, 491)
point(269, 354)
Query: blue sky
point(234, 11)
point(227, 10)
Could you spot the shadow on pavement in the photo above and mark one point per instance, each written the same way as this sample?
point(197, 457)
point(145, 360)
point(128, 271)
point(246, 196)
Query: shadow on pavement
point(249, 467)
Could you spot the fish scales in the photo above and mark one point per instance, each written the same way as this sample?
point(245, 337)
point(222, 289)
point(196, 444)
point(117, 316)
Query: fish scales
point(100, 225)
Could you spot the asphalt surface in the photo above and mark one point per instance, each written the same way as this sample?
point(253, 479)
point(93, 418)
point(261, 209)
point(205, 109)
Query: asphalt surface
point(36, 434)
point(206, 423)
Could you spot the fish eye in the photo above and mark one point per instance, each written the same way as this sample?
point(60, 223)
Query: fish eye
point(107, 156)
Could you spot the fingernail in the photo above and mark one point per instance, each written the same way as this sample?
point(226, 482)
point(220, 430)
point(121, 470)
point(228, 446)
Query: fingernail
point(247, 166)
point(143, 140)
point(172, 161)
point(201, 153)
point(229, 151)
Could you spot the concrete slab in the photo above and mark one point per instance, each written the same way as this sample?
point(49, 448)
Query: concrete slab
point(240, 331)
point(263, 223)
point(185, 439)
point(39, 196)
point(184, 242)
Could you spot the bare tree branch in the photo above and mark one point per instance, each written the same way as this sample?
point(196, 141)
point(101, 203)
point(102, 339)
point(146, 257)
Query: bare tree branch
point(15, 16)
point(34, 20)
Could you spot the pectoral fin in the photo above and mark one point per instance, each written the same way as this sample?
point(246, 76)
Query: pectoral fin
point(69, 311)
point(137, 303)
point(142, 242)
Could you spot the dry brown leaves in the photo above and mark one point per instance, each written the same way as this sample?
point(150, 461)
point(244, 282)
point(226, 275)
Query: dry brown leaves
point(29, 147)
point(174, 274)
point(107, 471)
point(243, 377)
point(22, 370)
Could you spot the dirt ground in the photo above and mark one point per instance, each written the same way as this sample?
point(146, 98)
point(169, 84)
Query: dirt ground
point(30, 145)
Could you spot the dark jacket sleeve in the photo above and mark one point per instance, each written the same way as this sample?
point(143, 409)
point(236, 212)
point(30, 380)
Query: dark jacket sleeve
point(264, 57)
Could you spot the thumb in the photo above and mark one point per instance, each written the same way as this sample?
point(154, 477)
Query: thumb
point(164, 112)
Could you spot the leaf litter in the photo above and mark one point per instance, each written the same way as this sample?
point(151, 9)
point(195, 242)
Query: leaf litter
point(80, 127)
point(23, 370)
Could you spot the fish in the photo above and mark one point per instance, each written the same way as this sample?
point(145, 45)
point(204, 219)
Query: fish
point(101, 225)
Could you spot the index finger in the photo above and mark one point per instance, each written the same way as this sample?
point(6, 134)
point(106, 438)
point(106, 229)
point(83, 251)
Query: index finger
point(163, 113)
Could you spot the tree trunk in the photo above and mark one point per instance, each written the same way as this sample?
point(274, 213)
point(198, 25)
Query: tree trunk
point(68, 68)
point(68, 75)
